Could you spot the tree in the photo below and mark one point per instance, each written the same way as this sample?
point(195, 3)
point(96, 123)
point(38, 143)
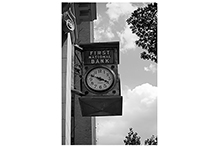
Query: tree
point(132, 138)
point(151, 141)
point(143, 22)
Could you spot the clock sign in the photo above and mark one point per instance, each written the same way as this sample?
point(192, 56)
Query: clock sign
point(100, 79)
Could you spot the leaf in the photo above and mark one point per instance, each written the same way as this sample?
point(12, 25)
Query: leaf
point(143, 22)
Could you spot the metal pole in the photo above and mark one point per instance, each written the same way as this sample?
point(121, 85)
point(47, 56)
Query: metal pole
point(72, 94)
point(68, 91)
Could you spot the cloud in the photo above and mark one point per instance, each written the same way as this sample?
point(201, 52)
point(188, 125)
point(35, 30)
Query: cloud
point(98, 21)
point(139, 112)
point(151, 68)
point(103, 34)
point(127, 38)
point(115, 10)
point(109, 33)
point(146, 69)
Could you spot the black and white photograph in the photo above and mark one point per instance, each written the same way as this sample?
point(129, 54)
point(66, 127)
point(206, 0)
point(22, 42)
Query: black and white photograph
point(109, 73)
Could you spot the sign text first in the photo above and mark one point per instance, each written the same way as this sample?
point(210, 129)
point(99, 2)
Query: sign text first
point(99, 56)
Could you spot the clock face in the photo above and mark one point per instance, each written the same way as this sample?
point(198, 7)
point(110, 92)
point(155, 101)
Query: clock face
point(100, 79)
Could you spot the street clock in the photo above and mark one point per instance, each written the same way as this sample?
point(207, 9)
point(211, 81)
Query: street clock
point(100, 82)
point(100, 79)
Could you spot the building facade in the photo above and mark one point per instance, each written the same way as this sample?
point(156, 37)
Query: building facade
point(76, 129)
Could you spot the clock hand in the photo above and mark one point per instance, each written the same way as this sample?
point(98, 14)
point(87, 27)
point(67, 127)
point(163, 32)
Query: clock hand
point(106, 81)
point(99, 78)
point(92, 75)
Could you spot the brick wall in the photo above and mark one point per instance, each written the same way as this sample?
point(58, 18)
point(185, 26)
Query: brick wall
point(83, 125)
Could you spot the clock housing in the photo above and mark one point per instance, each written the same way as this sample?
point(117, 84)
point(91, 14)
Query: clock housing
point(100, 79)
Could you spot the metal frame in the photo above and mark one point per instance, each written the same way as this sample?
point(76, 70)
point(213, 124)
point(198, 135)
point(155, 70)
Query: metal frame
point(80, 73)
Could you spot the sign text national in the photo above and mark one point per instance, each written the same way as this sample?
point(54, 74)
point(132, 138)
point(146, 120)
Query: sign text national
point(104, 56)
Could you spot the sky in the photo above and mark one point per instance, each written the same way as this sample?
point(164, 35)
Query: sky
point(138, 77)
